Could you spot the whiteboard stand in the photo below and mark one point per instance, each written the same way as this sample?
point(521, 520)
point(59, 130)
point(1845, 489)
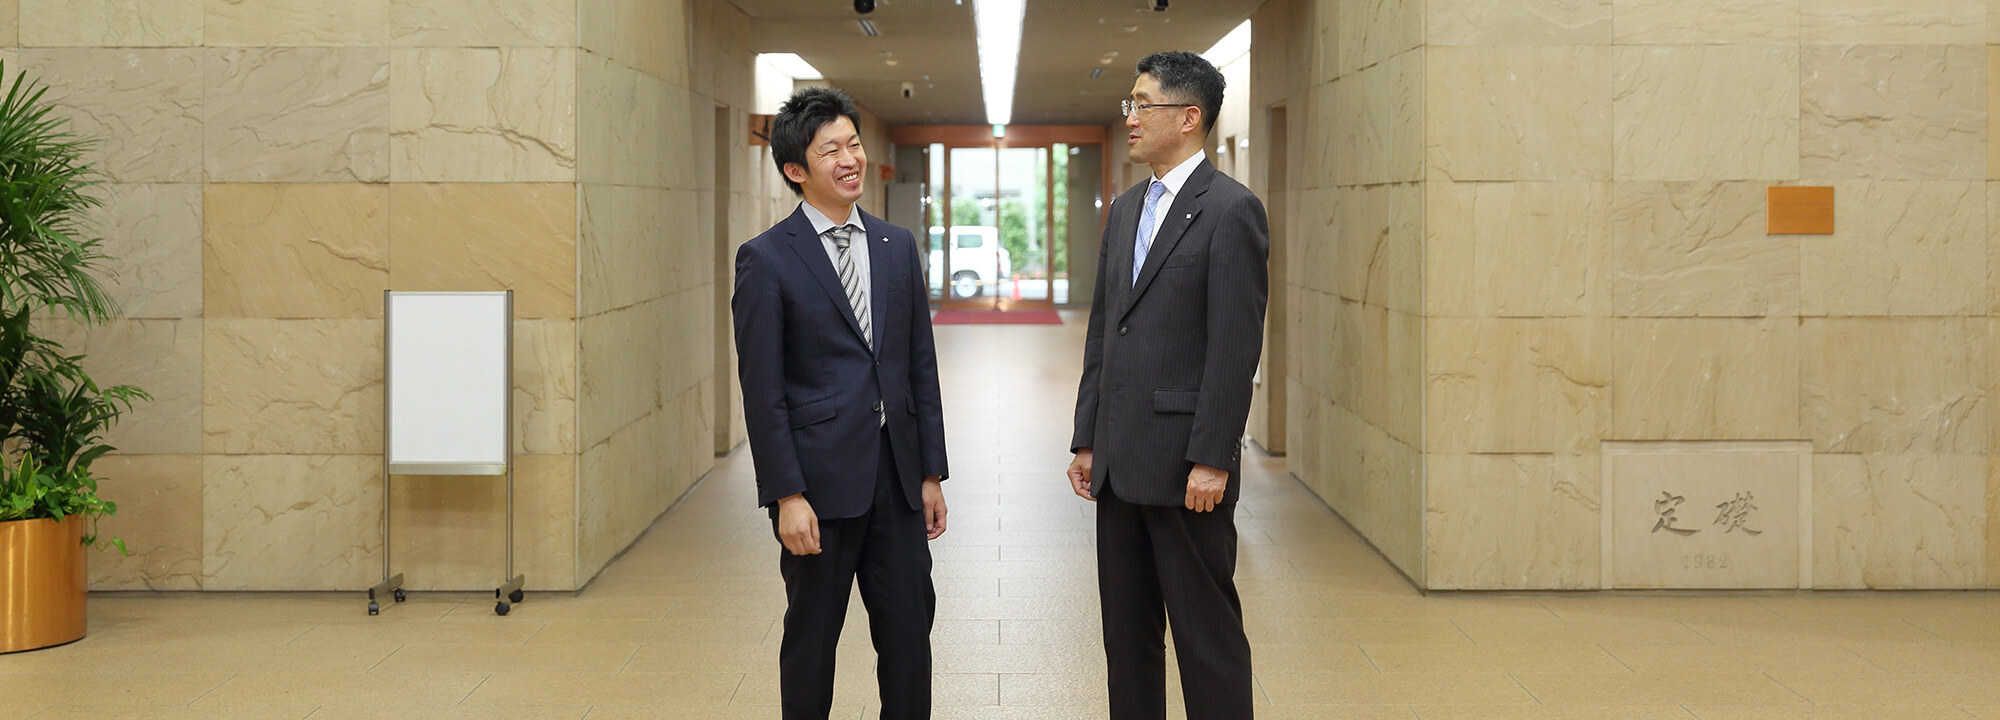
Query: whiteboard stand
point(447, 406)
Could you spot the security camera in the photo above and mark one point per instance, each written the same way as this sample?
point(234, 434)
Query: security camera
point(1158, 5)
point(909, 90)
point(867, 6)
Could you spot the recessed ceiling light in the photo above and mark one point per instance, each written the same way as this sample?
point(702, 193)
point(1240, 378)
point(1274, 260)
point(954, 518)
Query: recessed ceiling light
point(998, 23)
point(1232, 46)
point(792, 65)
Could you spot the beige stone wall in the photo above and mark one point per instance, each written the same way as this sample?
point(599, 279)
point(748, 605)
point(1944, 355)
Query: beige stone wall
point(1350, 77)
point(273, 167)
point(1539, 226)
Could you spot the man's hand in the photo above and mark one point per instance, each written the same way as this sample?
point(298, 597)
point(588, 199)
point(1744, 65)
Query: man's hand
point(1205, 487)
point(798, 527)
point(933, 507)
point(1079, 474)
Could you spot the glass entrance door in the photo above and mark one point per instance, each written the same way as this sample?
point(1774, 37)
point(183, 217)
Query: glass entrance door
point(1000, 220)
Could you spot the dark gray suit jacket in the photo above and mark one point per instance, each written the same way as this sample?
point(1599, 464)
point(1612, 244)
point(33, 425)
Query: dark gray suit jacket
point(1169, 360)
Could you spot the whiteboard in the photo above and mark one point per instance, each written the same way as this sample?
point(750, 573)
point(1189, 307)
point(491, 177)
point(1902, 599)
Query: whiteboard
point(447, 382)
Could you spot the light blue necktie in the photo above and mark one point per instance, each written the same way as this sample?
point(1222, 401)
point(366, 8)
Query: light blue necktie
point(1146, 228)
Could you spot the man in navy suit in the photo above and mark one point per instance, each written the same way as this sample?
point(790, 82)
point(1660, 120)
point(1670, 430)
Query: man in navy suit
point(1173, 343)
point(840, 397)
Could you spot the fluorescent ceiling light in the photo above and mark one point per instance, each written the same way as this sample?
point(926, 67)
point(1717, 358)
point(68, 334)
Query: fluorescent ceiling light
point(1230, 47)
point(791, 64)
point(999, 27)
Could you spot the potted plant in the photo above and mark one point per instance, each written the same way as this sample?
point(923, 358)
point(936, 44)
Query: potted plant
point(52, 415)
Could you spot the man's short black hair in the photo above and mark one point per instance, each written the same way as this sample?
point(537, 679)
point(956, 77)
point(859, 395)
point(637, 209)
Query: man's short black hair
point(799, 119)
point(1187, 77)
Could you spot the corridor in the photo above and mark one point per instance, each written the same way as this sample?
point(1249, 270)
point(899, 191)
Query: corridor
point(686, 624)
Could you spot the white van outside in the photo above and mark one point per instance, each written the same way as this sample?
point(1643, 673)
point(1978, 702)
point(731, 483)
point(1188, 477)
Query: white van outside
point(978, 262)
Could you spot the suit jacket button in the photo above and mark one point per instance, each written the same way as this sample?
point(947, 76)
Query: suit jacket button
point(1122, 329)
point(877, 407)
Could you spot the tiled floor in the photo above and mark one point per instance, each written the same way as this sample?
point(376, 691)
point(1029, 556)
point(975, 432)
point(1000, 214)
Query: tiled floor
point(685, 625)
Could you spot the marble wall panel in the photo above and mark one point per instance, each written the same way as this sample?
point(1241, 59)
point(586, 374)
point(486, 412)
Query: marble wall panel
point(1992, 522)
point(144, 107)
point(306, 23)
point(1517, 385)
point(159, 519)
point(647, 35)
point(1992, 248)
point(1705, 379)
point(107, 23)
point(619, 247)
point(1899, 248)
point(1497, 522)
point(10, 25)
point(484, 114)
point(1377, 255)
point(1520, 249)
point(545, 386)
point(1896, 113)
point(295, 250)
point(161, 357)
point(291, 522)
point(153, 247)
point(621, 118)
point(1706, 113)
point(1372, 31)
point(308, 114)
point(545, 522)
point(1894, 385)
point(618, 370)
point(1518, 113)
point(1518, 22)
point(1322, 135)
point(296, 386)
point(1699, 249)
point(1379, 119)
point(482, 23)
point(1706, 22)
point(613, 479)
point(1910, 22)
point(484, 237)
point(1899, 521)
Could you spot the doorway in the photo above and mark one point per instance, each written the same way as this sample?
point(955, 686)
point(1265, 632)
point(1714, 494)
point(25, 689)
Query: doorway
point(1000, 213)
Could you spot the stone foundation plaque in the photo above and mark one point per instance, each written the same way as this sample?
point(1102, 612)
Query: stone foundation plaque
point(1707, 515)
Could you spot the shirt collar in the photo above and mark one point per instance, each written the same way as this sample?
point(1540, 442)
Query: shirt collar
point(821, 224)
point(1178, 176)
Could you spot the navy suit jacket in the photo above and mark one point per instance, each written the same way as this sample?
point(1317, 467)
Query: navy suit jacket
point(812, 388)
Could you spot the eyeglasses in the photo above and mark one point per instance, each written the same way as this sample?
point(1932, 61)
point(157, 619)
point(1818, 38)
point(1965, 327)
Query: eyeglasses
point(1127, 107)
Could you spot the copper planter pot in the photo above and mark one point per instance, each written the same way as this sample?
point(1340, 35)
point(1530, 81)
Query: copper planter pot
point(42, 583)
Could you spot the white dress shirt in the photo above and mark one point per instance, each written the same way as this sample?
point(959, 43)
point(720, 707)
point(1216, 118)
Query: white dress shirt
point(1175, 179)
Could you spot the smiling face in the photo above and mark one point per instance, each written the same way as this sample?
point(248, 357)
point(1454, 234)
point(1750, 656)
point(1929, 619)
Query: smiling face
point(831, 177)
point(1156, 134)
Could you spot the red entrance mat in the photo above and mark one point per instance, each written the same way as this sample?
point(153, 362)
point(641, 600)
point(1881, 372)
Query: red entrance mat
point(996, 317)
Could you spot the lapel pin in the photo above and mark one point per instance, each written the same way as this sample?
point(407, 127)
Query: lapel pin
point(1190, 216)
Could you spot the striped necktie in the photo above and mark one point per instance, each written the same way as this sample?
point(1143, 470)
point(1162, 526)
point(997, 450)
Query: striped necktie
point(850, 280)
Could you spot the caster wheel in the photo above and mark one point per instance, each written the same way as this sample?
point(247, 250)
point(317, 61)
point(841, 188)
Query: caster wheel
point(501, 608)
point(374, 608)
point(516, 596)
point(400, 595)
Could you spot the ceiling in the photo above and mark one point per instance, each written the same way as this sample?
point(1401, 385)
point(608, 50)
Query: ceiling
point(932, 44)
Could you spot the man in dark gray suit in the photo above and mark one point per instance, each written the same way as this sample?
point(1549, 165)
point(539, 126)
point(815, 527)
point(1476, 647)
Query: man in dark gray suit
point(1174, 338)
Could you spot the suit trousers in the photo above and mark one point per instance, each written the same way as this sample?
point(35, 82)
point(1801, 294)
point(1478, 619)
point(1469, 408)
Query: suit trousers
point(1155, 563)
point(885, 549)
